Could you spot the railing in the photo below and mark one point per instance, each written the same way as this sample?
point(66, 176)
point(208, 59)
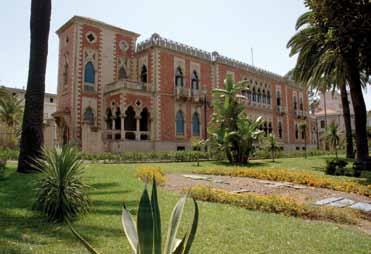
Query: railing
point(112, 135)
point(281, 109)
point(129, 84)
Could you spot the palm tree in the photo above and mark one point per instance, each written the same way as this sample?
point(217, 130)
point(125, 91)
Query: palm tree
point(333, 137)
point(321, 66)
point(272, 146)
point(11, 109)
point(32, 133)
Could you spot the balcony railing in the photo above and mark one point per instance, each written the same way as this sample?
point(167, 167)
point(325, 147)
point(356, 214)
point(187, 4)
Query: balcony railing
point(112, 135)
point(126, 84)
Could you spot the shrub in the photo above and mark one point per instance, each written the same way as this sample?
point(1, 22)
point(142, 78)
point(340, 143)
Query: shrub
point(2, 167)
point(336, 166)
point(148, 173)
point(146, 237)
point(299, 177)
point(61, 191)
point(275, 204)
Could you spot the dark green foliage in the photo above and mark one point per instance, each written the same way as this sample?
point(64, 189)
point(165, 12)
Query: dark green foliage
point(61, 191)
point(336, 167)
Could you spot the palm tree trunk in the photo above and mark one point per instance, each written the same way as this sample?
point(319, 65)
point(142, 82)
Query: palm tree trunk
point(32, 127)
point(360, 114)
point(325, 108)
point(347, 121)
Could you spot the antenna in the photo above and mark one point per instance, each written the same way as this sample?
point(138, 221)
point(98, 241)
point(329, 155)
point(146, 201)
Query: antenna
point(252, 57)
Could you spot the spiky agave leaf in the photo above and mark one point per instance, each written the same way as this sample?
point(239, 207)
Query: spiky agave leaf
point(145, 224)
point(129, 229)
point(193, 232)
point(174, 225)
point(156, 219)
point(81, 239)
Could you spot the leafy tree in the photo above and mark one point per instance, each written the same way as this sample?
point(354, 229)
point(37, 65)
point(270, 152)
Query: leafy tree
point(346, 24)
point(32, 126)
point(230, 129)
point(332, 135)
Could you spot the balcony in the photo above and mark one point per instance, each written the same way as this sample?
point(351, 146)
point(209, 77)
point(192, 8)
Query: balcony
point(127, 84)
point(182, 93)
point(281, 110)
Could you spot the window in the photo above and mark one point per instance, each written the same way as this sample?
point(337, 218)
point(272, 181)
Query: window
point(295, 103)
point(259, 96)
point(89, 116)
point(195, 124)
point(268, 97)
point(144, 120)
point(322, 124)
point(179, 123)
point(265, 128)
point(278, 98)
point(180, 148)
point(194, 81)
point(301, 104)
point(109, 118)
point(89, 77)
point(264, 97)
point(143, 74)
point(270, 127)
point(51, 100)
point(130, 123)
point(179, 77)
point(253, 94)
point(122, 73)
point(118, 119)
point(302, 133)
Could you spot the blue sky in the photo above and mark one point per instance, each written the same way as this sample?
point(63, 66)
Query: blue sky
point(230, 27)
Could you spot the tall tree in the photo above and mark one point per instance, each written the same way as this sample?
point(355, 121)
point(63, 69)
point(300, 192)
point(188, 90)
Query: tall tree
point(32, 127)
point(347, 25)
point(321, 63)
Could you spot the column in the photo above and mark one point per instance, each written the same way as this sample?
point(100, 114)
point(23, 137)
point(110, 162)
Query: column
point(137, 133)
point(122, 127)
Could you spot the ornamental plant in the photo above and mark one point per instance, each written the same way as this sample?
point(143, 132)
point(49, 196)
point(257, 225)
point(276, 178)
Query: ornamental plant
point(145, 237)
point(148, 173)
point(231, 131)
point(61, 191)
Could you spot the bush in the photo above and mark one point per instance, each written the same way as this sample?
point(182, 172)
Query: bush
point(9, 154)
point(146, 236)
point(299, 177)
point(275, 204)
point(61, 192)
point(2, 167)
point(147, 173)
point(336, 166)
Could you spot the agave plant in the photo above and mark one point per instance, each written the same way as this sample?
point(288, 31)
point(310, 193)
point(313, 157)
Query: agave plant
point(145, 237)
point(61, 192)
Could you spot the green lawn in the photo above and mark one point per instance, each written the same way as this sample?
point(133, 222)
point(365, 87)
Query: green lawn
point(222, 228)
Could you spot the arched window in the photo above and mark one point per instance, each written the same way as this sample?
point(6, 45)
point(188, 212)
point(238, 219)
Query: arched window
point(89, 77)
point(179, 123)
point(118, 119)
point(89, 116)
point(195, 81)
point(143, 74)
point(259, 96)
point(295, 103)
point(109, 118)
point(179, 77)
point(122, 73)
point(144, 120)
point(249, 93)
point(195, 124)
point(270, 127)
point(264, 97)
point(130, 123)
point(268, 97)
point(253, 94)
point(279, 129)
point(278, 98)
point(301, 104)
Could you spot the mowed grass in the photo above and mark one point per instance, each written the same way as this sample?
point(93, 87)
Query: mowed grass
point(222, 228)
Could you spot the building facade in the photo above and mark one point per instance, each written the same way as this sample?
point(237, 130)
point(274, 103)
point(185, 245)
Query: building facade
point(115, 94)
point(50, 107)
point(330, 111)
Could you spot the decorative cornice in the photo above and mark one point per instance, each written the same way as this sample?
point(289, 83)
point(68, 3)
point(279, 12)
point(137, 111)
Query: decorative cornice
point(214, 57)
